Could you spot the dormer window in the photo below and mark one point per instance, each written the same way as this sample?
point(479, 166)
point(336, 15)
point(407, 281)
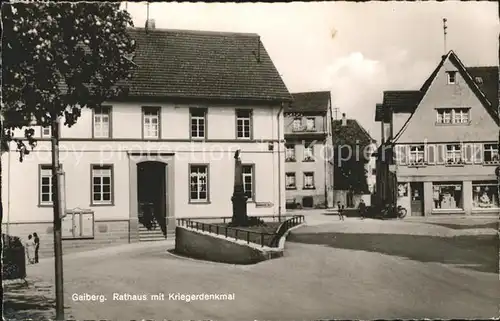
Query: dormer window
point(479, 80)
point(452, 77)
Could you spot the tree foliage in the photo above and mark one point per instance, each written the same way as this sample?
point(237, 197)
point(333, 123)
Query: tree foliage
point(349, 169)
point(58, 58)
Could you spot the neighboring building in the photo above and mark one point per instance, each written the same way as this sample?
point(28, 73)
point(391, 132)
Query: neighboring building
point(195, 98)
point(308, 136)
point(371, 169)
point(445, 139)
point(348, 133)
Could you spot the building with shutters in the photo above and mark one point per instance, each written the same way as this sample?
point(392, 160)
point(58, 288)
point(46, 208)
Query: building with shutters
point(168, 149)
point(440, 143)
point(308, 137)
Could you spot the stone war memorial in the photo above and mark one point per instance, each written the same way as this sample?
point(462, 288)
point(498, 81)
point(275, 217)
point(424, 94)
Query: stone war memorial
point(239, 199)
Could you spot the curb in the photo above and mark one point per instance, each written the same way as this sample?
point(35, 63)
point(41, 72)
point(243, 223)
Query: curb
point(201, 261)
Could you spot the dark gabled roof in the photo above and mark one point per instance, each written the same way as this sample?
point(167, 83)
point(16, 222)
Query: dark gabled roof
point(490, 83)
point(350, 134)
point(316, 101)
point(402, 101)
point(489, 78)
point(204, 65)
point(428, 81)
point(406, 101)
point(489, 105)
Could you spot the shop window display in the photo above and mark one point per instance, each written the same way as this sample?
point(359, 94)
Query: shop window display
point(485, 195)
point(447, 196)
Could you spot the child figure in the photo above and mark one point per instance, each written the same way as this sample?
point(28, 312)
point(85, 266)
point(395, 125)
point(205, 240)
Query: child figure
point(340, 208)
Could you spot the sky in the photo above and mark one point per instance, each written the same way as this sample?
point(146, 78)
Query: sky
point(354, 50)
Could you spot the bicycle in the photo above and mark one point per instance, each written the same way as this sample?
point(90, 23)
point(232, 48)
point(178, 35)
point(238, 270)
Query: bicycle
point(392, 211)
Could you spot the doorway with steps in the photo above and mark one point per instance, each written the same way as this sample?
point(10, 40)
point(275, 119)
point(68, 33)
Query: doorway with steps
point(152, 200)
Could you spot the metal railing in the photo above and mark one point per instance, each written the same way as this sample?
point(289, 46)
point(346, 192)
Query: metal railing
point(260, 238)
point(285, 226)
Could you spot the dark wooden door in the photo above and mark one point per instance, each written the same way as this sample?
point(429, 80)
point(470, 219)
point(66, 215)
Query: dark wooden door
point(417, 198)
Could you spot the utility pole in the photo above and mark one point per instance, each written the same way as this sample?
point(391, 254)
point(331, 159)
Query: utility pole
point(336, 111)
point(497, 170)
point(58, 213)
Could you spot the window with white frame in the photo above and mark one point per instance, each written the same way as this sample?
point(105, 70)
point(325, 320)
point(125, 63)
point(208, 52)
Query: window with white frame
point(308, 180)
point(491, 153)
point(452, 77)
point(444, 116)
point(102, 120)
point(45, 185)
point(102, 180)
point(461, 115)
point(310, 124)
point(417, 155)
point(248, 181)
point(151, 125)
point(46, 132)
point(290, 153)
point(485, 195)
point(198, 126)
point(198, 175)
point(244, 123)
point(290, 182)
point(297, 124)
point(453, 154)
point(308, 152)
point(453, 116)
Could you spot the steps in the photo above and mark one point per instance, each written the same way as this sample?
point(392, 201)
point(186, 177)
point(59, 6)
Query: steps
point(146, 235)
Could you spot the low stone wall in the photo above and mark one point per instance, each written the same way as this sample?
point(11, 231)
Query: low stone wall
point(106, 233)
point(217, 248)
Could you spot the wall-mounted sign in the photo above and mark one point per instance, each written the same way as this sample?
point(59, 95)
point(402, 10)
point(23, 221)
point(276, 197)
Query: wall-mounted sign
point(264, 204)
point(78, 224)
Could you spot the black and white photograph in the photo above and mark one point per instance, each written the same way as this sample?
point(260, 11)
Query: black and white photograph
point(250, 161)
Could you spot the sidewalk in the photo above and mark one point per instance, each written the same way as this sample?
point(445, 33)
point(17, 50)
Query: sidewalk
point(34, 300)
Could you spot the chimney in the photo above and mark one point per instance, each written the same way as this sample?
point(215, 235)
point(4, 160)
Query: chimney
point(344, 120)
point(150, 24)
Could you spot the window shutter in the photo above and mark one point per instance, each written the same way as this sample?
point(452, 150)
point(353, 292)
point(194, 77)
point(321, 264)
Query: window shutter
point(402, 153)
point(441, 153)
point(430, 156)
point(468, 153)
point(478, 153)
point(397, 154)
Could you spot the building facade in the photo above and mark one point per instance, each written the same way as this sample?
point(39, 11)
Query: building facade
point(168, 148)
point(308, 136)
point(353, 147)
point(445, 139)
point(371, 169)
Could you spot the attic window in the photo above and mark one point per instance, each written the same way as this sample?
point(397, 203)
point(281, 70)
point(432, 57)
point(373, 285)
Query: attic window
point(479, 80)
point(452, 75)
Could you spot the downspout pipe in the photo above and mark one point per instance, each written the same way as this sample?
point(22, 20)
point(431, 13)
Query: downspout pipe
point(280, 112)
point(325, 157)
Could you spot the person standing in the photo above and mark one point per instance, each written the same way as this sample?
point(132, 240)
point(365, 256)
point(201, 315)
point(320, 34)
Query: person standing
point(28, 247)
point(362, 209)
point(37, 245)
point(339, 209)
